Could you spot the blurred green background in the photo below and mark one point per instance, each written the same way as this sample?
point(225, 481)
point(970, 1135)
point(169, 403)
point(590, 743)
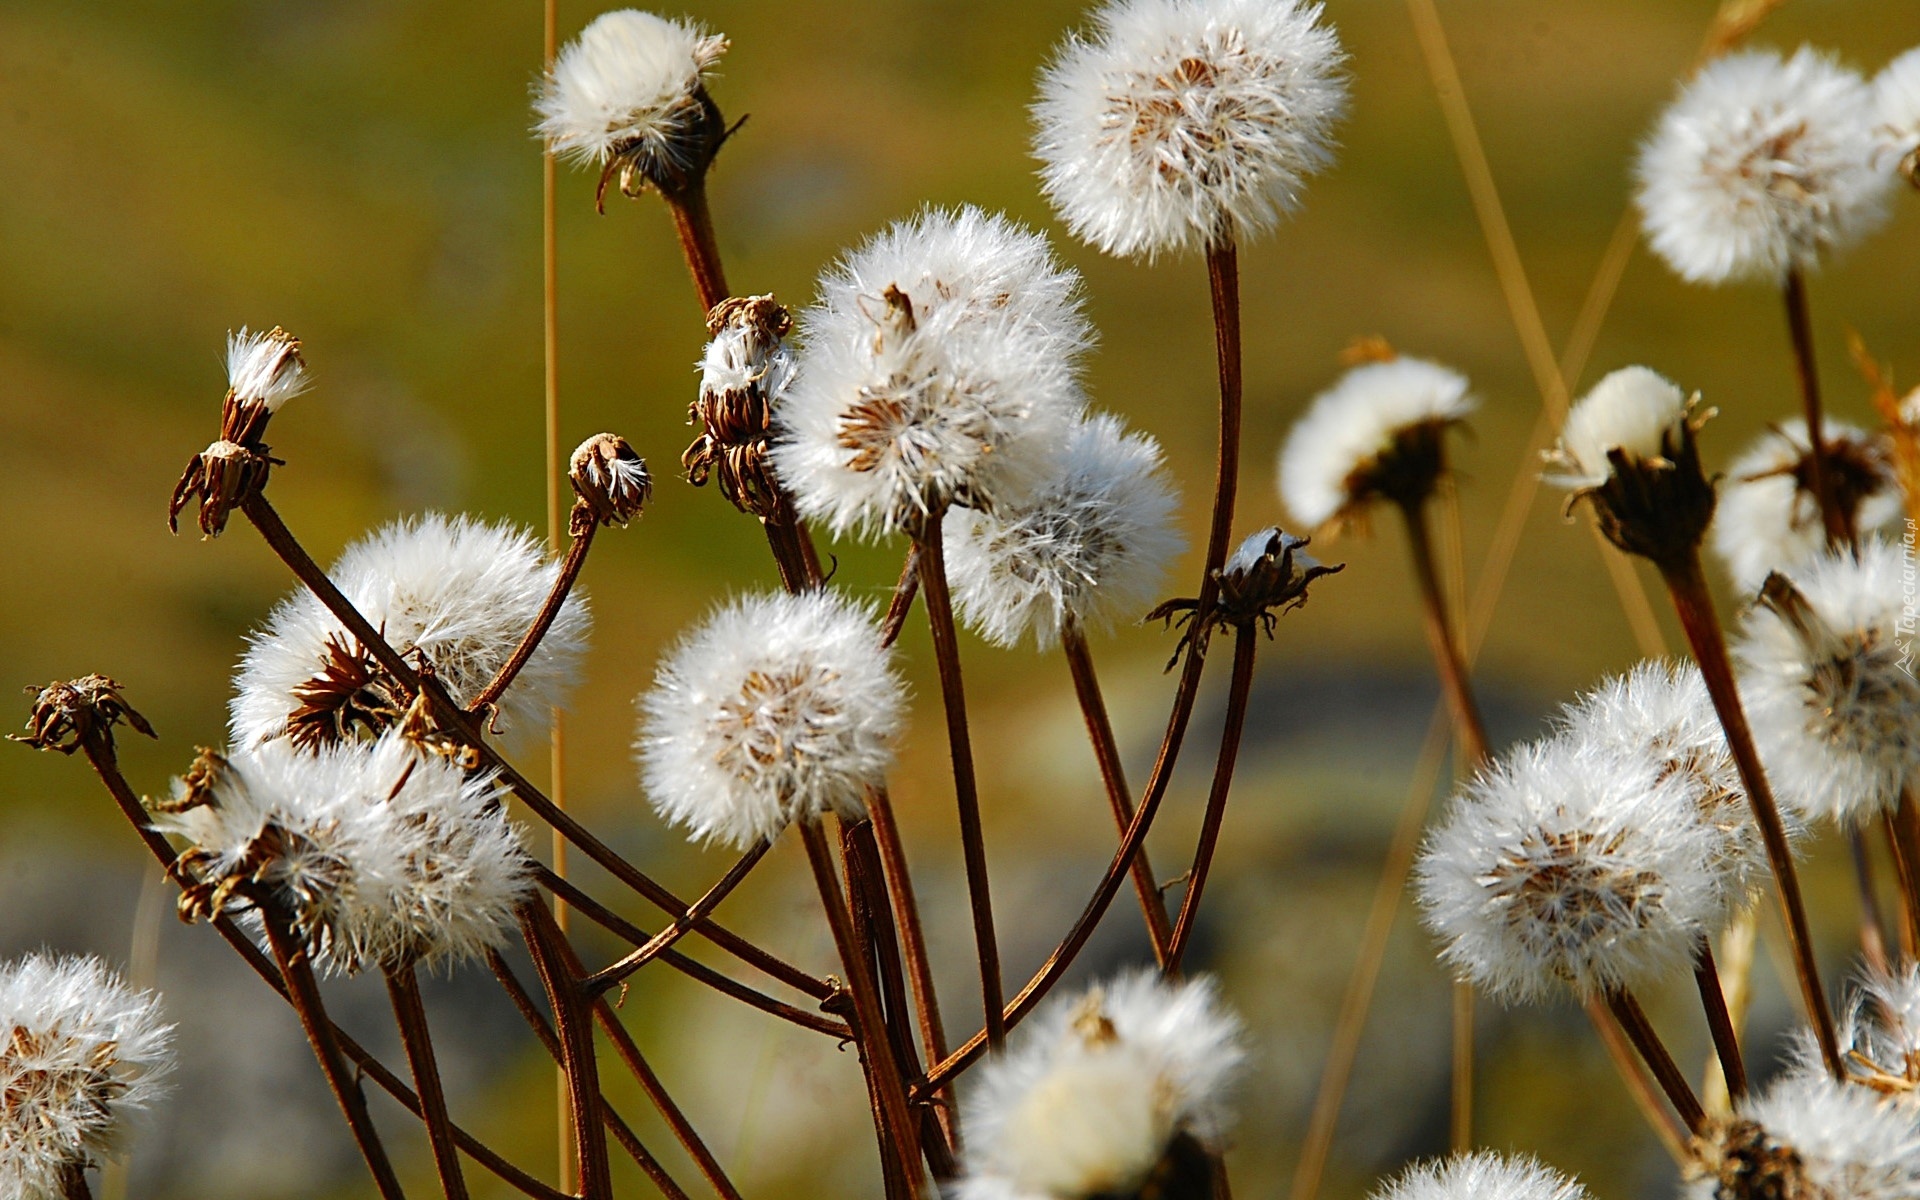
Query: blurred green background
point(361, 173)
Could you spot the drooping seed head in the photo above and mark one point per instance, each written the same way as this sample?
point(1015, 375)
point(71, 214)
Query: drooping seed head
point(1482, 1176)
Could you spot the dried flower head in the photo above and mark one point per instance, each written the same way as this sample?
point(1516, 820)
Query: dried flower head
point(1482, 1176)
point(452, 591)
point(1118, 1092)
point(1880, 1031)
point(1660, 711)
point(66, 715)
point(1769, 519)
point(1761, 166)
point(1628, 447)
point(743, 375)
point(264, 371)
point(378, 854)
point(779, 708)
point(610, 480)
point(939, 367)
point(1181, 124)
point(1566, 865)
point(1896, 97)
point(1377, 434)
point(1267, 574)
point(1809, 1137)
point(1829, 686)
point(629, 94)
point(1089, 546)
point(80, 1056)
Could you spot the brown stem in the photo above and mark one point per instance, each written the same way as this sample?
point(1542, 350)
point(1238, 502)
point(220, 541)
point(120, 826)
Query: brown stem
point(953, 694)
point(1245, 641)
point(73, 1182)
point(694, 223)
point(1469, 727)
point(601, 980)
point(549, 611)
point(575, 1031)
point(1106, 751)
point(902, 602)
point(1460, 1097)
point(906, 915)
point(1903, 825)
point(1673, 1135)
point(455, 719)
point(1726, 1041)
point(870, 1034)
point(1800, 329)
point(410, 1014)
point(1688, 586)
point(304, 994)
point(1633, 1022)
point(1873, 937)
point(1223, 280)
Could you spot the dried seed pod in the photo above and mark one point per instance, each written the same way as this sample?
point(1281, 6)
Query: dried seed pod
point(264, 371)
point(743, 377)
point(610, 479)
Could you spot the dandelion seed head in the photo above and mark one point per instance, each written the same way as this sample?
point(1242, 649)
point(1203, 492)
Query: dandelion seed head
point(1768, 518)
point(777, 709)
point(939, 367)
point(1482, 1176)
point(1879, 1030)
point(1810, 1135)
point(265, 368)
point(628, 86)
point(1634, 410)
point(1181, 123)
point(81, 1055)
point(1090, 545)
point(1896, 98)
point(1761, 166)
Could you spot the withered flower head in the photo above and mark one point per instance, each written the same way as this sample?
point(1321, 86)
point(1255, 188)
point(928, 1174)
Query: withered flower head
point(610, 479)
point(65, 715)
point(264, 371)
point(1266, 576)
point(1769, 519)
point(743, 374)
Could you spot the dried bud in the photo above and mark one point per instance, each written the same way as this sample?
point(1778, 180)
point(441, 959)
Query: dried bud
point(744, 371)
point(65, 715)
point(611, 481)
point(221, 477)
point(1266, 576)
point(264, 371)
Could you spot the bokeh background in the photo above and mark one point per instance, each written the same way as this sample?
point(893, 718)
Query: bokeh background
point(361, 172)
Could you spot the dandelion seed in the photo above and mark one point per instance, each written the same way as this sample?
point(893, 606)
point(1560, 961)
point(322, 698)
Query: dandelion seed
point(1834, 709)
point(1567, 866)
point(1809, 1135)
point(939, 368)
point(80, 1056)
point(1482, 1176)
point(1377, 434)
point(1768, 518)
point(381, 854)
point(1181, 124)
point(1761, 166)
point(1090, 546)
point(778, 709)
point(1119, 1092)
point(452, 589)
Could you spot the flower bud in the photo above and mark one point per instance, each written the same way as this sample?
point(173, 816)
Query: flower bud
point(611, 481)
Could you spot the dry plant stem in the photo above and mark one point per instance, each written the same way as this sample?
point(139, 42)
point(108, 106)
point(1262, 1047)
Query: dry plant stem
point(556, 598)
point(304, 994)
point(73, 1185)
point(1632, 1019)
point(264, 518)
point(410, 1014)
point(1726, 1040)
point(1246, 640)
point(575, 1029)
point(902, 602)
point(906, 915)
point(1106, 751)
point(612, 922)
point(1667, 1127)
point(694, 223)
point(953, 694)
point(663, 1103)
point(869, 1024)
point(1223, 281)
point(1903, 826)
point(1873, 938)
point(1807, 375)
point(601, 980)
point(1688, 586)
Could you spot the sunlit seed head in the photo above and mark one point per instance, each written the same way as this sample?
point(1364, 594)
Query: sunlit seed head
point(1769, 519)
point(1482, 1176)
point(1634, 410)
point(265, 368)
point(1809, 1135)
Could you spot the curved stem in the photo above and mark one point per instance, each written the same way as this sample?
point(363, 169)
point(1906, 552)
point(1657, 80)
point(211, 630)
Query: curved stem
point(410, 1014)
point(902, 602)
point(1245, 641)
point(549, 611)
point(606, 977)
point(1807, 375)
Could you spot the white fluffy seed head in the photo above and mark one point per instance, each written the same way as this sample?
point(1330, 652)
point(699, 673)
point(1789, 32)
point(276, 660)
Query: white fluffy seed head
point(265, 368)
point(1634, 410)
point(1768, 518)
point(1761, 166)
point(1094, 1092)
point(1827, 680)
point(1182, 123)
point(382, 854)
point(779, 708)
point(1482, 1176)
point(1332, 460)
point(1660, 711)
point(459, 591)
point(1896, 98)
point(1810, 1135)
point(630, 82)
point(1566, 865)
point(1089, 545)
point(80, 1056)
point(939, 367)
point(1881, 1028)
